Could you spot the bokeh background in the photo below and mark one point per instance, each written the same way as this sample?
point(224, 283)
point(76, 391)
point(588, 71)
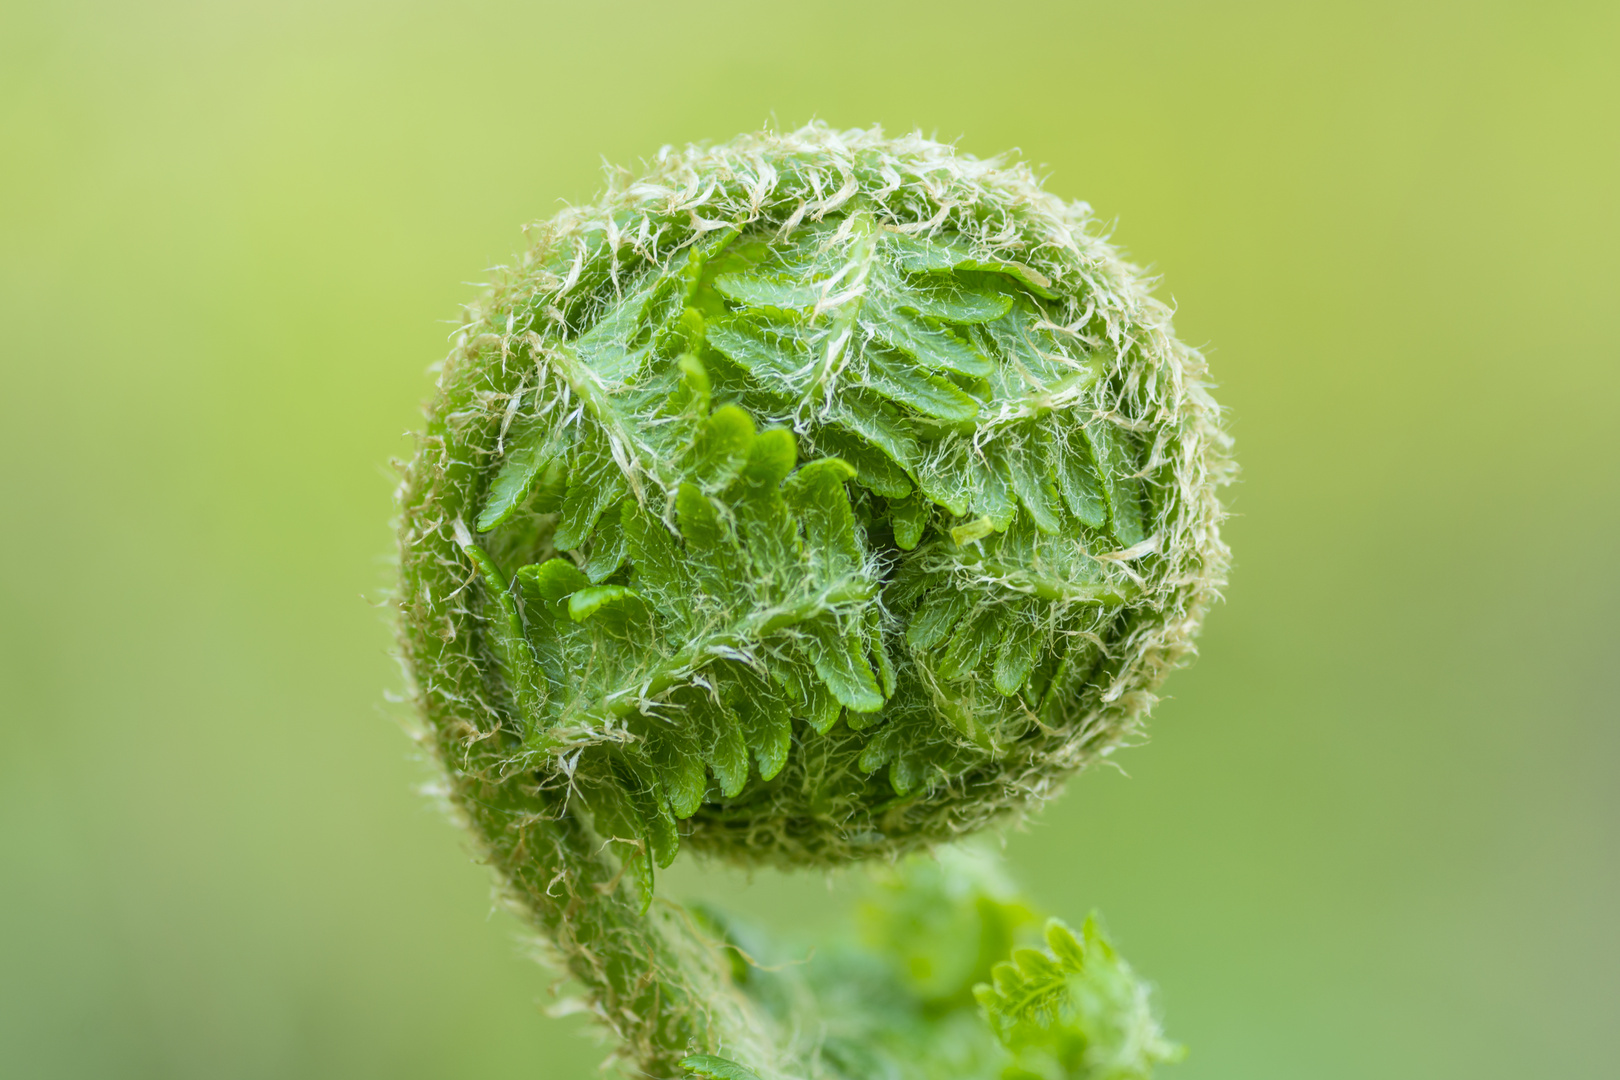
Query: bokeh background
point(1377, 829)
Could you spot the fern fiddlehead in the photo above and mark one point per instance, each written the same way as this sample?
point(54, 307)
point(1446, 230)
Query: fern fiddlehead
point(810, 498)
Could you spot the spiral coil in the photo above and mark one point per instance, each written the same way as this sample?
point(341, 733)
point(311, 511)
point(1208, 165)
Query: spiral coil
point(810, 498)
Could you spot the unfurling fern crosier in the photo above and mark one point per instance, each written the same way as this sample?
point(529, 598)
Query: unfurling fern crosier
point(809, 498)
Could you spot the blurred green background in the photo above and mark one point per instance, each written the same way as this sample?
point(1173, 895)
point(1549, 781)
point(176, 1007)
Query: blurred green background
point(1377, 831)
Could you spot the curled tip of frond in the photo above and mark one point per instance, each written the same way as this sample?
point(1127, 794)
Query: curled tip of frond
point(808, 497)
point(1031, 456)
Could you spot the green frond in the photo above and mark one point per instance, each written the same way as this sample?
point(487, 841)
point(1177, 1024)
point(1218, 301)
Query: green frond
point(1075, 1010)
point(808, 498)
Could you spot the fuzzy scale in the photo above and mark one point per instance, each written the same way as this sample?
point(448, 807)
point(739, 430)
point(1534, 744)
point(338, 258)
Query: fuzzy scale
point(808, 498)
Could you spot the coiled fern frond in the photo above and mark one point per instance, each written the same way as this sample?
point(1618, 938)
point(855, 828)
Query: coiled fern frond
point(810, 498)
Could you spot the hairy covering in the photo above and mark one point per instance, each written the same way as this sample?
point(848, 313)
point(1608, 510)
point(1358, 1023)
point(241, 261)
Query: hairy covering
point(808, 498)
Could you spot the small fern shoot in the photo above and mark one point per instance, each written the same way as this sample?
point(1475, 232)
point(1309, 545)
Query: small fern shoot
point(810, 498)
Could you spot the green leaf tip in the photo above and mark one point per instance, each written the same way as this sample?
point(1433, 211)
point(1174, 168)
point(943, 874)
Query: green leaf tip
point(808, 498)
point(1076, 1007)
point(711, 1067)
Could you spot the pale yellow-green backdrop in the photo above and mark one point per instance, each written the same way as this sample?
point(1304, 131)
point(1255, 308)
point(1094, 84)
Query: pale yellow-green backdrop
point(1377, 831)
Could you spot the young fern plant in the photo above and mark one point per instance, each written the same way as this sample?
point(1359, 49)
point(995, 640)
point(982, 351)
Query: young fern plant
point(808, 499)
